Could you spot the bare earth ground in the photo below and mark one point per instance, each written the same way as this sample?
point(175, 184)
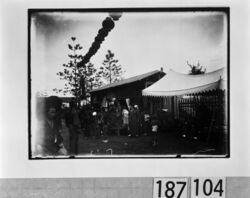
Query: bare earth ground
point(169, 143)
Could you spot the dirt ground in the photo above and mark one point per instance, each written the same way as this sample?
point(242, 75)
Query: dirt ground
point(168, 144)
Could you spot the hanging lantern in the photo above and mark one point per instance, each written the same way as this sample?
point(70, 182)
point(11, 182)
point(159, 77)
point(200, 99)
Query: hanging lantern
point(108, 23)
point(96, 45)
point(99, 38)
point(103, 32)
point(115, 15)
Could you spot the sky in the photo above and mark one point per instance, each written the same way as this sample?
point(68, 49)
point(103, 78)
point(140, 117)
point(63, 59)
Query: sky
point(141, 41)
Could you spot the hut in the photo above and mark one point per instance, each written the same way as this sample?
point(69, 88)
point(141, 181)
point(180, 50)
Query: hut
point(129, 89)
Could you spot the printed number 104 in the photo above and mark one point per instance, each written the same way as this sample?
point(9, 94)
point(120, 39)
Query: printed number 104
point(170, 188)
point(208, 187)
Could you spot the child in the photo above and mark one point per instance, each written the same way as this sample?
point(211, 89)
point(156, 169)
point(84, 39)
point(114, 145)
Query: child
point(155, 126)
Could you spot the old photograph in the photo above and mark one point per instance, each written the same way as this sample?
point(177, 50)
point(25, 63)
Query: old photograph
point(128, 83)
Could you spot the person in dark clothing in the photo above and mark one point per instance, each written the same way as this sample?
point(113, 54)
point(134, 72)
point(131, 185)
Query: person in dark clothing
point(74, 124)
point(118, 119)
point(134, 121)
point(102, 122)
point(145, 123)
point(105, 122)
point(84, 120)
point(155, 128)
point(203, 120)
point(49, 142)
point(94, 127)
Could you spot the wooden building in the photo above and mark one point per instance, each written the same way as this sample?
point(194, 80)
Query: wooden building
point(130, 89)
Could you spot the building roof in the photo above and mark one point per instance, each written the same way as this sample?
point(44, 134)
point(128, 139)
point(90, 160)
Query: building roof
point(128, 80)
point(174, 83)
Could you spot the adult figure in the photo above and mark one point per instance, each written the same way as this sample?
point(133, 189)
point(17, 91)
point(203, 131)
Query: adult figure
point(112, 119)
point(49, 142)
point(93, 122)
point(146, 123)
point(118, 119)
point(74, 124)
point(203, 120)
point(134, 119)
point(105, 121)
point(125, 119)
point(83, 115)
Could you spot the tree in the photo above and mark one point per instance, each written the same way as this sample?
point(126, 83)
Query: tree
point(92, 78)
point(80, 79)
point(196, 69)
point(110, 71)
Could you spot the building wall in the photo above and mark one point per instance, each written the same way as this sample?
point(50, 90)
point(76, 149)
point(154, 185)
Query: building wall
point(132, 90)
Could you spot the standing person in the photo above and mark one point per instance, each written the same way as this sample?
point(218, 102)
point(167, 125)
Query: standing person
point(49, 141)
point(88, 120)
point(133, 122)
point(84, 119)
point(125, 119)
point(100, 121)
point(155, 128)
point(146, 123)
point(74, 124)
point(94, 125)
point(112, 125)
point(118, 119)
point(138, 116)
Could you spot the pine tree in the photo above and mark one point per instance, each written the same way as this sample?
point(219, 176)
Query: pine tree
point(110, 71)
point(79, 79)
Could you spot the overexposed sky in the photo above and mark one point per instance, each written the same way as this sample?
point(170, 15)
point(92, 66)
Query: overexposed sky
point(141, 41)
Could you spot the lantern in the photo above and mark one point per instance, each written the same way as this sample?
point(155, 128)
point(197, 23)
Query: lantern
point(115, 15)
point(108, 23)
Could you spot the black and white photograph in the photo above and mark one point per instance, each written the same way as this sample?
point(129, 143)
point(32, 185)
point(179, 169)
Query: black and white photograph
point(128, 83)
point(124, 99)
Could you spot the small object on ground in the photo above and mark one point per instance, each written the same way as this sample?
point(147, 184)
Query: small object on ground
point(129, 135)
point(109, 150)
point(105, 141)
point(184, 135)
point(126, 144)
point(195, 138)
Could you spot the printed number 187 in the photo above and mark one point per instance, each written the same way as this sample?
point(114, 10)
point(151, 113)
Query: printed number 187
point(170, 188)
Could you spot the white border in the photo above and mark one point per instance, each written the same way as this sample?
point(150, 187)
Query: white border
point(14, 161)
